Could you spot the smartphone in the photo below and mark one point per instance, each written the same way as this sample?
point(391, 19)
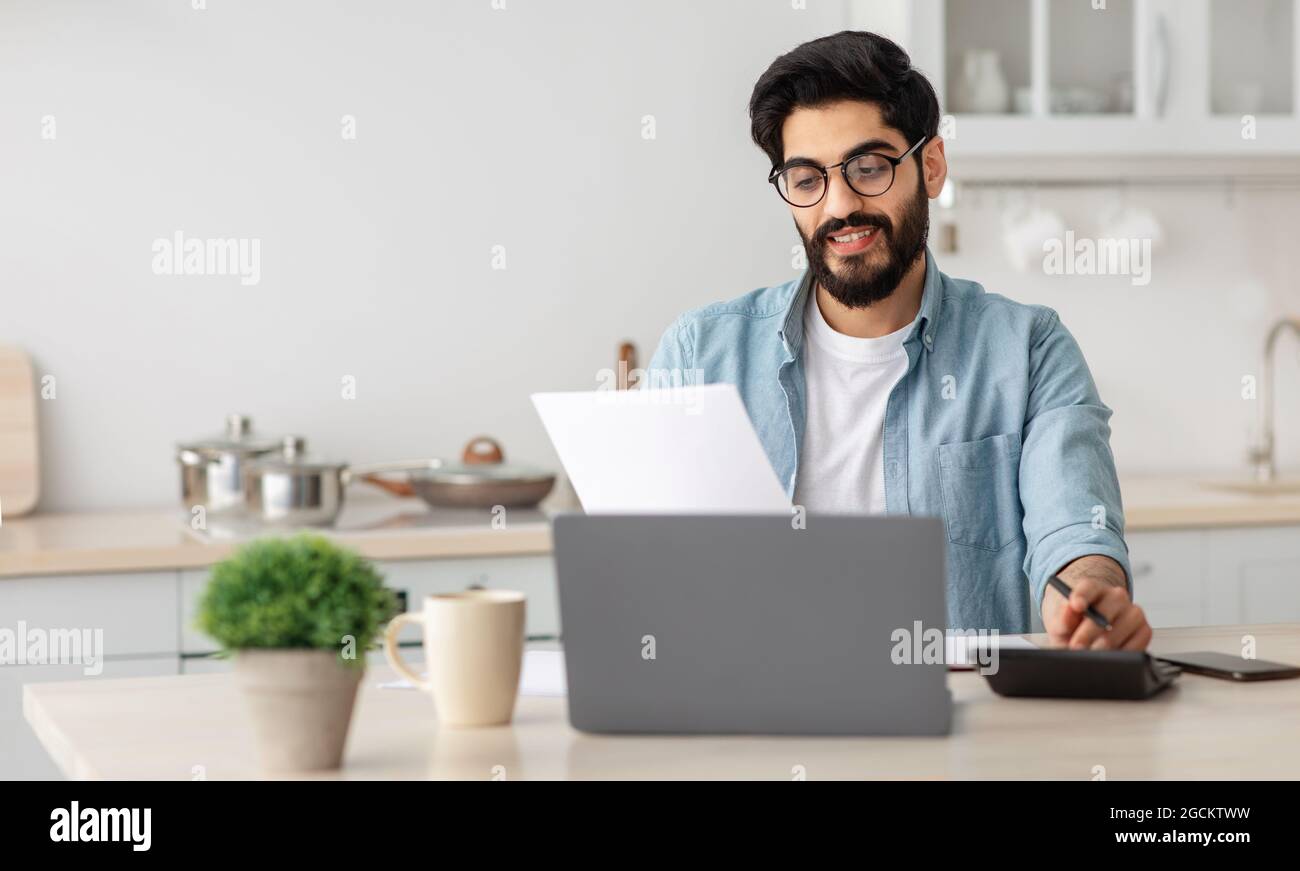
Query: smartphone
point(1230, 667)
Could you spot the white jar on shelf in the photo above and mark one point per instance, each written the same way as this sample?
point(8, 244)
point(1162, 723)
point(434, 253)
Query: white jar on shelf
point(984, 88)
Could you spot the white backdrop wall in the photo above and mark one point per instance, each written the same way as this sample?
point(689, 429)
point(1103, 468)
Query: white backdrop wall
point(475, 128)
point(1168, 356)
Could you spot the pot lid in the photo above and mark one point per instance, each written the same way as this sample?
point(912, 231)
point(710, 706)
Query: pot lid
point(482, 462)
point(238, 438)
point(293, 457)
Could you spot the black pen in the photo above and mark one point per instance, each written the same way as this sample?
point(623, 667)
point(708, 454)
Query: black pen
point(1093, 614)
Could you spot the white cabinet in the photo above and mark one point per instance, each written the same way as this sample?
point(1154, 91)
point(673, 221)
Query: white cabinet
point(205, 663)
point(192, 640)
point(1254, 575)
point(1217, 576)
point(1169, 576)
point(21, 754)
point(534, 576)
point(1135, 77)
point(133, 616)
point(136, 612)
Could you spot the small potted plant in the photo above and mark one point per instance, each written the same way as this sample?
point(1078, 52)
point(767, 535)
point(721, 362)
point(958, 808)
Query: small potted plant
point(298, 615)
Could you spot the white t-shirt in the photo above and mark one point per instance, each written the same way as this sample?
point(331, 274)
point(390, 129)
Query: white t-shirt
point(847, 385)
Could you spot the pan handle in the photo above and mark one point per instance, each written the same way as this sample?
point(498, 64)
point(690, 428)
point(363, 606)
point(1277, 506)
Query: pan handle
point(397, 488)
point(351, 473)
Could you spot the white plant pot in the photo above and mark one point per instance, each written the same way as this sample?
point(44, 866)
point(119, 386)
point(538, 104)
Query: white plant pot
point(301, 704)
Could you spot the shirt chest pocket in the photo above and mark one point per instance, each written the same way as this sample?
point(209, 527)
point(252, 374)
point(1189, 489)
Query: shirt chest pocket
point(981, 491)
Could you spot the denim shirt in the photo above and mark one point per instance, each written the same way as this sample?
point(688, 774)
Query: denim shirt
point(996, 428)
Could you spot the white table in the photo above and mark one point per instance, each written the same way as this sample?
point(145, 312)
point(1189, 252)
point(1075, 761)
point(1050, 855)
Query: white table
point(195, 726)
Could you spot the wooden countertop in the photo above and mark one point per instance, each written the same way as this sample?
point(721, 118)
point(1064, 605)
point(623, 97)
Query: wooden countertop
point(1202, 728)
point(378, 527)
point(92, 542)
point(1185, 502)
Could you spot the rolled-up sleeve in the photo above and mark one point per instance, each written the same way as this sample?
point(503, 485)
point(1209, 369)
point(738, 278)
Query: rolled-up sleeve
point(1068, 486)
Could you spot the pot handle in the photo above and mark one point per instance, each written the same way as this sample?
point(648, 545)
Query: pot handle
point(390, 648)
point(483, 450)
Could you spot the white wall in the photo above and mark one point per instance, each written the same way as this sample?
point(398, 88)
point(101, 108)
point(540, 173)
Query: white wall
point(475, 128)
point(1168, 357)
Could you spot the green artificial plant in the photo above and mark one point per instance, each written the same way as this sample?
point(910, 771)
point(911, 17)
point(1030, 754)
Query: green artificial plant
point(303, 592)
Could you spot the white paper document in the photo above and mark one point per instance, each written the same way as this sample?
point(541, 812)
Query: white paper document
point(970, 651)
point(674, 450)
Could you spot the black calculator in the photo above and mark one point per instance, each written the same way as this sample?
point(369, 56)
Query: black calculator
point(1080, 674)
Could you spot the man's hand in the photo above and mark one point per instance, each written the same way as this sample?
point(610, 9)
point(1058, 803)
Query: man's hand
point(1097, 581)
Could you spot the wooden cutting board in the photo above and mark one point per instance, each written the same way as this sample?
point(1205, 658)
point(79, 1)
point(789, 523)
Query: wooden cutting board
point(20, 472)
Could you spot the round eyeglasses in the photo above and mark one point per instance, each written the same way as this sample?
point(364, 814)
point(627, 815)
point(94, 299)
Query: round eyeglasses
point(869, 175)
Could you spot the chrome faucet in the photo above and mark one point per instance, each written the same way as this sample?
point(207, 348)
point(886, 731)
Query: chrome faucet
point(1262, 453)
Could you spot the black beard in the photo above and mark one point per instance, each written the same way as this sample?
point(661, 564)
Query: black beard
point(863, 284)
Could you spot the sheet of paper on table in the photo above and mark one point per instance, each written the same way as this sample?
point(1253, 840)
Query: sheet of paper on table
point(962, 652)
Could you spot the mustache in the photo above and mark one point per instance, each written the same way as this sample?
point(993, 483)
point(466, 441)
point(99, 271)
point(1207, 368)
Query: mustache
point(857, 219)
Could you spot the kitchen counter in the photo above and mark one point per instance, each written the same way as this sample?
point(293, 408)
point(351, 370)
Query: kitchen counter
point(378, 527)
point(386, 528)
point(1186, 502)
point(177, 728)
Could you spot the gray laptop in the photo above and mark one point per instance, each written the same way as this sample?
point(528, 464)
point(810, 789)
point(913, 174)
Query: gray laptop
point(741, 624)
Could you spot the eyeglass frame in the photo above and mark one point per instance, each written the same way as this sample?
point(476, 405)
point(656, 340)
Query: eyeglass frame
point(775, 175)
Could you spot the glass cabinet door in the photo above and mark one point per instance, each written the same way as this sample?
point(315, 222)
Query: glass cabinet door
point(987, 56)
point(1252, 57)
point(1090, 57)
point(1044, 57)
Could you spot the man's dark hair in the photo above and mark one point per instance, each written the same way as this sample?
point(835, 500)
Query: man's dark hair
point(852, 65)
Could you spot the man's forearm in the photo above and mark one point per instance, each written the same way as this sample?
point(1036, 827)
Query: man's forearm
point(1102, 568)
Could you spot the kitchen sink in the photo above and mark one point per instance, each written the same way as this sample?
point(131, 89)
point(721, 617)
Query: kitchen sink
point(1275, 487)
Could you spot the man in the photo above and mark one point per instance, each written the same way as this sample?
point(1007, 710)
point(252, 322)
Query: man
point(878, 384)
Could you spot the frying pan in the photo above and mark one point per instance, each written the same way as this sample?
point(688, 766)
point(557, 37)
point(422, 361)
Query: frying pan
point(482, 479)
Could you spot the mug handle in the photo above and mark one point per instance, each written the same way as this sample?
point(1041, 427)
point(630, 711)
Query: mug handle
point(390, 648)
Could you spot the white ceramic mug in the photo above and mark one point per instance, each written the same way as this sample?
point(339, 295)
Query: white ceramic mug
point(1025, 229)
point(1131, 222)
point(473, 650)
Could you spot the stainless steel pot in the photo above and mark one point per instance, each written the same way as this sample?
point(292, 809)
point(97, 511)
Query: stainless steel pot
point(212, 468)
point(292, 489)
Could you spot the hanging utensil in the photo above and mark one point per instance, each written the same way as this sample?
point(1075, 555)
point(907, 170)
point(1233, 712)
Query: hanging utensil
point(626, 363)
